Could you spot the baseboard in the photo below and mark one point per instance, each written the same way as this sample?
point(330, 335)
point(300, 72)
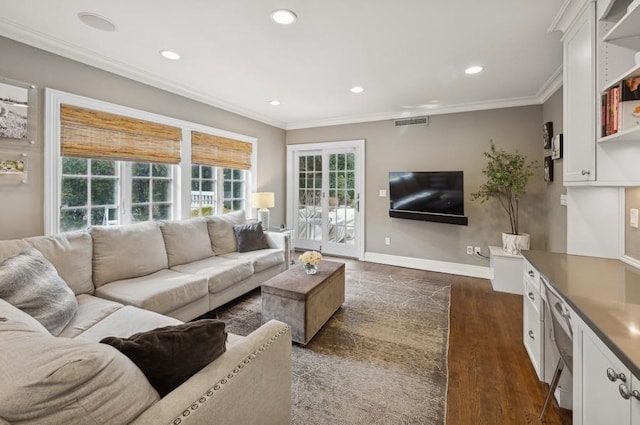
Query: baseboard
point(430, 265)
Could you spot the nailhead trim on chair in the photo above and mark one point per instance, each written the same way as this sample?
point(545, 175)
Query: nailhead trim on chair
point(218, 386)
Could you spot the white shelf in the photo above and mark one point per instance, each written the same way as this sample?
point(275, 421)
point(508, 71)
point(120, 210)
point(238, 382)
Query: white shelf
point(633, 72)
point(626, 32)
point(629, 135)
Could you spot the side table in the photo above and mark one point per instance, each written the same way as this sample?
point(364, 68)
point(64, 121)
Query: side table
point(507, 271)
point(288, 231)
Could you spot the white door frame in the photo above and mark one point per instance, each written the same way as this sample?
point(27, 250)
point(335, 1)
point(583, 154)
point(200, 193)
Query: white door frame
point(359, 145)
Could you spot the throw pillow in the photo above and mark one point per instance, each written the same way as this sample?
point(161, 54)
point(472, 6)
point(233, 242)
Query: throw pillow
point(31, 283)
point(250, 237)
point(170, 355)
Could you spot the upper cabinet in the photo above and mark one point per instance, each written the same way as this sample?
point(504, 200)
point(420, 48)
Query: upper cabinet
point(602, 135)
point(579, 47)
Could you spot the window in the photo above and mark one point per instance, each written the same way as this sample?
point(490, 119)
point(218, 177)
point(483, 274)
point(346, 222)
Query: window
point(206, 190)
point(151, 192)
point(234, 190)
point(110, 164)
point(90, 193)
point(203, 193)
point(92, 188)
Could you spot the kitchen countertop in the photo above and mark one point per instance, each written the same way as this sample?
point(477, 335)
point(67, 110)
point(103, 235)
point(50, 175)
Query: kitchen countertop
point(605, 293)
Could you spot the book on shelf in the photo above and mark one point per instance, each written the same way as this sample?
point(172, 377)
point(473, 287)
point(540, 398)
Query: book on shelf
point(620, 107)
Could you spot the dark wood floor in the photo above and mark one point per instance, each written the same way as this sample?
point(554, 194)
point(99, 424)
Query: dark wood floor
point(491, 380)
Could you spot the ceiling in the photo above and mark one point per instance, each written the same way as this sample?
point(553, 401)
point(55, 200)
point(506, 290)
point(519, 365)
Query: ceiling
point(409, 55)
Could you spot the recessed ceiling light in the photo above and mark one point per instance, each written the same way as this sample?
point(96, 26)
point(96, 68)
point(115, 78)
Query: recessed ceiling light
point(274, 103)
point(473, 69)
point(283, 16)
point(96, 21)
point(356, 89)
point(169, 54)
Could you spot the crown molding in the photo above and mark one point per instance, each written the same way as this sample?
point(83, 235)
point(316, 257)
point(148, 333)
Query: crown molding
point(393, 115)
point(550, 86)
point(39, 40)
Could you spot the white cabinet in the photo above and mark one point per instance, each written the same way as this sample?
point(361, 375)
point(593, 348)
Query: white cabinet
point(579, 98)
point(533, 327)
point(604, 389)
point(507, 271)
point(579, 47)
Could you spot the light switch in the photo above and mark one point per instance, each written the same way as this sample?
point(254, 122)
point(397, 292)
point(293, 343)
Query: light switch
point(382, 193)
point(633, 218)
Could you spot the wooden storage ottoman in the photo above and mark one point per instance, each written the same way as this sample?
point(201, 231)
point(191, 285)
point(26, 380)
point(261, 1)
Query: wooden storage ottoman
point(304, 302)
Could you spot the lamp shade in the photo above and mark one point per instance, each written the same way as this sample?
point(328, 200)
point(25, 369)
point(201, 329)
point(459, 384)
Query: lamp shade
point(263, 200)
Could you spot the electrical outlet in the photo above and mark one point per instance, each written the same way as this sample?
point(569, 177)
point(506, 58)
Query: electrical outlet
point(387, 241)
point(470, 250)
point(477, 250)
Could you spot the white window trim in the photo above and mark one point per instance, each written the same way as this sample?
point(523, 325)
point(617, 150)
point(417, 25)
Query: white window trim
point(182, 177)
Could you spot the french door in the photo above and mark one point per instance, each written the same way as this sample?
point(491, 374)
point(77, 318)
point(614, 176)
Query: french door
point(326, 203)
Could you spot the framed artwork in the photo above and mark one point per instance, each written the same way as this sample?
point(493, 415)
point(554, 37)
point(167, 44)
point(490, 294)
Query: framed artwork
point(548, 169)
point(556, 147)
point(14, 107)
point(547, 133)
point(13, 170)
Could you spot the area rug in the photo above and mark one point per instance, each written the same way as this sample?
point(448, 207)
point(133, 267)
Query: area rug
point(381, 359)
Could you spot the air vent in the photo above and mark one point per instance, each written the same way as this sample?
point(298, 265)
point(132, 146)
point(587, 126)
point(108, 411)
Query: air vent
point(413, 121)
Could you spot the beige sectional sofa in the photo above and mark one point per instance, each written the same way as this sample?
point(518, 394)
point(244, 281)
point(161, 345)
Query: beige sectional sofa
point(130, 279)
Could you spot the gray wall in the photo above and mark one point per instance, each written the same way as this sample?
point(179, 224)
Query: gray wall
point(449, 142)
point(555, 214)
point(21, 207)
point(631, 235)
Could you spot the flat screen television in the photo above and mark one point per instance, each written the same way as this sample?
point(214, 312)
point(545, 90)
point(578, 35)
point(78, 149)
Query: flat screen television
point(427, 195)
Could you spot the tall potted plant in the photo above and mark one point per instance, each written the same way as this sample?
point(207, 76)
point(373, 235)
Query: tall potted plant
point(507, 177)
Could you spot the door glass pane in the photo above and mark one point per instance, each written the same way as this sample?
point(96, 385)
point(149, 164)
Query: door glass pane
point(309, 197)
point(160, 170)
point(342, 201)
point(161, 212)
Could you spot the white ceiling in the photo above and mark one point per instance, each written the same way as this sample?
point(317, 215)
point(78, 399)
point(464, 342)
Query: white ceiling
point(409, 55)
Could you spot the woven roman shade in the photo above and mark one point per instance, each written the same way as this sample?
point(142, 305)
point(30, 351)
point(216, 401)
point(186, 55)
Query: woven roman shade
point(94, 134)
point(207, 149)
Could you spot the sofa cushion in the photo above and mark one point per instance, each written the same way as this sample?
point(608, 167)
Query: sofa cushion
point(186, 240)
point(250, 237)
point(9, 248)
point(11, 312)
point(220, 227)
point(122, 252)
point(219, 272)
point(125, 322)
point(262, 259)
point(30, 282)
point(71, 254)
point(170, 355)
point(49, 380)
point(91, 310)
point(162, 291)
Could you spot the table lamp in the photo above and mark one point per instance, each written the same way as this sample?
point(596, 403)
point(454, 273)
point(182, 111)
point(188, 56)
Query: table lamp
point(263, 201)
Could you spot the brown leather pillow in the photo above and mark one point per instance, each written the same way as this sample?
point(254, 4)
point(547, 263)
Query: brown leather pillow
point(170, 355)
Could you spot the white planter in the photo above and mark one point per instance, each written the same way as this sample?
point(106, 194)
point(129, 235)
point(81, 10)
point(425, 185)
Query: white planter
point(513, 244)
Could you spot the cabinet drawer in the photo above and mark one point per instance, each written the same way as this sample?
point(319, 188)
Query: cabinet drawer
point(532, 275)
point(532, 298)
point(532, 336)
